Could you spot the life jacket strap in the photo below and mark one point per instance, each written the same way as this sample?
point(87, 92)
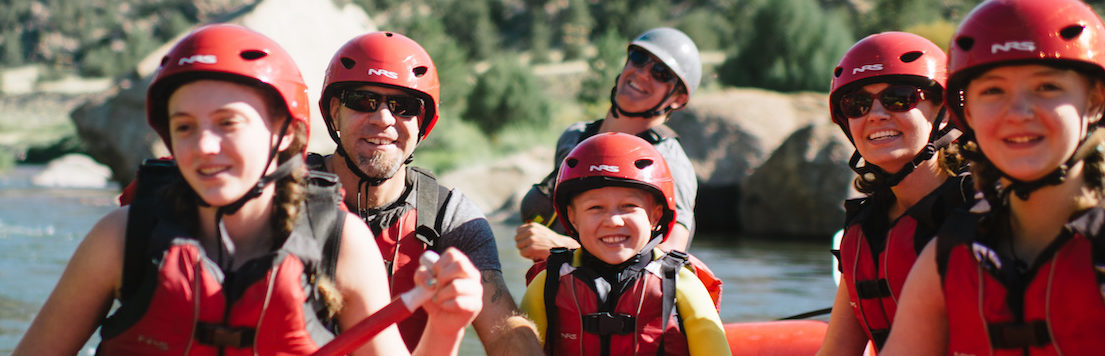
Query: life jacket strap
point(873, 289)
point(1017, 335)
point(606, 323)
point(224, 336)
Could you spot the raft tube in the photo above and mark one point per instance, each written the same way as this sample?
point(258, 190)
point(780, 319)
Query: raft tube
point(776, 338)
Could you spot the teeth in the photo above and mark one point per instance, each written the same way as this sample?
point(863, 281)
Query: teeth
point(1020, 139)
point(882, 134)
point(209, 171)
point(614, 239)
point(378, 141)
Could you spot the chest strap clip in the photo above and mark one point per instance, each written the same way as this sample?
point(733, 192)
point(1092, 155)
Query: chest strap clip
point(224, 336)
point(1019, 335)
point(606, 323)
point(873, 289)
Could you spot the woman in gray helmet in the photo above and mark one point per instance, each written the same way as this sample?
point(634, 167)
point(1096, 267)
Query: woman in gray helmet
point(661, 72)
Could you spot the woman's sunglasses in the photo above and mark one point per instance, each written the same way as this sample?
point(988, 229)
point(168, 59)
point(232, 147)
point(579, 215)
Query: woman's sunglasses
point(659, 71)
point(895, 98)
point(367, 101)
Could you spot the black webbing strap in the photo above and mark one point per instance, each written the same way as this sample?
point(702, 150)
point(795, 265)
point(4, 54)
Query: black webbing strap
point(558, 256)
point(153, 176)
point(224, 336)
point(671, 263)
point(607, 323)
point(1019, 335)
point(323, 207)
point(429, 198)
point(873, 289)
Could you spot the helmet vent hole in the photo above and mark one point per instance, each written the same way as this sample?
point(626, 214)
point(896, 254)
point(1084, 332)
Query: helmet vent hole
point(965, 43)
point(164, 60)
point(420, 71)
point(838, 72)
point(910, 56)
point(348, 63)
point(642, 163)
point(1072, 31)
point(253, 54)
point(389, 34)
point(571, 162)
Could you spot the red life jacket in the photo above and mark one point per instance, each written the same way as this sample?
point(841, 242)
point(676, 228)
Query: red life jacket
point(1056, 307)
point(636, 320)
point(709, 280)
point(176, 300)
point(877, 264)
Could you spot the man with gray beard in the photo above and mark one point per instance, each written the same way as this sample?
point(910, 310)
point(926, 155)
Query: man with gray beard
point(379, 100)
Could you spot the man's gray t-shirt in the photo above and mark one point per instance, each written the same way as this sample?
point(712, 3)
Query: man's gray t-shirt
point(682, 172)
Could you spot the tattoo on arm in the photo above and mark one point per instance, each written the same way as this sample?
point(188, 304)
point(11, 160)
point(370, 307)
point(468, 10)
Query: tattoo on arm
point(494, 280)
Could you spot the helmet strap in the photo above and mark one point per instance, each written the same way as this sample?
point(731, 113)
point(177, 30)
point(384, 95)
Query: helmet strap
point(653, 112)
point(1024, 189)
point(938, 138)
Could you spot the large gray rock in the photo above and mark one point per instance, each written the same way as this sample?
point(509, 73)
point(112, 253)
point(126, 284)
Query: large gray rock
point(498, 187)
point(114, 125)
point(728, 134)
point(800, 190)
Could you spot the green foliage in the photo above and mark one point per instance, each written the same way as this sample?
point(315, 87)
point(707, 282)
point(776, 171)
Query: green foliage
point(451, 143)
point(896, 15)
point(575, 31)
point(603, 68)
point(939, 32)
point(708, 27)
point(508, 94)
point(540, 36)
point(470, 23)
point(795, 48)
point(451, 60)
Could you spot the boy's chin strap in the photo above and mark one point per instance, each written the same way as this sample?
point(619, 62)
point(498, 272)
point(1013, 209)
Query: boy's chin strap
point(655, 111)
point(937, 139)
point(1023, 189)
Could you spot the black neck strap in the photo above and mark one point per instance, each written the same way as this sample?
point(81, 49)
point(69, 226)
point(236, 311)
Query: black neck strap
point(655, 111)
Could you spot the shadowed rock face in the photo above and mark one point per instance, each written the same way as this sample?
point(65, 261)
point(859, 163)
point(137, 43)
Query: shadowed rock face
point(113, 123)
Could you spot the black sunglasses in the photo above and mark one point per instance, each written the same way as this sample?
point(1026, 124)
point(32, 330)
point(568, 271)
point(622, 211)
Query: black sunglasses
point(659, 71)
point(895, 98)
point(367, 101)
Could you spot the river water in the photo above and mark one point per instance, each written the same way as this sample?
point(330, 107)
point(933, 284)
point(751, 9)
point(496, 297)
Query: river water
point(41, 227)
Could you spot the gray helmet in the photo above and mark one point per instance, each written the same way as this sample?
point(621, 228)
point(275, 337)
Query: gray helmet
point(676, 50)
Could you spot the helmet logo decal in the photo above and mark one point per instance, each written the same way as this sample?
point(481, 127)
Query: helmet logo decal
point(198, 58)
point(383, 72)
point(1027, 46)
point(604, 168)
point(867, 67)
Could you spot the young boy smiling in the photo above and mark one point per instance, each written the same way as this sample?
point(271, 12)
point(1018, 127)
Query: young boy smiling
point(618, 294)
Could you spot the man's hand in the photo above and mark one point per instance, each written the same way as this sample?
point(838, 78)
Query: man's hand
point(535, 240)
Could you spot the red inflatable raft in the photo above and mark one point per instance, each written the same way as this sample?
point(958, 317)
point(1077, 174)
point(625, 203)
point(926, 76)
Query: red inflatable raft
point(776, 338)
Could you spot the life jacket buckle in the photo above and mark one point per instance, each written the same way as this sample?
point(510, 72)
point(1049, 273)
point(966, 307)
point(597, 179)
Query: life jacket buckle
point(873, 289)
point(224, 336)
point(606, 323)
point(1019, 335)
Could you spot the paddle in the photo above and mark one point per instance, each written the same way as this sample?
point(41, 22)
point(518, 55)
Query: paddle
point(399, 308)
point(808, 314)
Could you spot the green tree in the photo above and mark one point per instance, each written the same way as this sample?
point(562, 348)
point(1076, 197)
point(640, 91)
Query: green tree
point(896, 15)
point(508, 94)
point(540, 36)
point(470, 23)
point(451, 60)
point(795, 48)
point(575, 30)
point(603, 68)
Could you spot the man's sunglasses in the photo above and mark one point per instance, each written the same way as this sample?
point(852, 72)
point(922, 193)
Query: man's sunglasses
point(659, 71)
point(367, 101)
point(895, 98)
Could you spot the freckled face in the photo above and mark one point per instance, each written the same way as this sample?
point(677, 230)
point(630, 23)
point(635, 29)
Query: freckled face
point(1028, 119)
point(614, 223)
point(220, 136)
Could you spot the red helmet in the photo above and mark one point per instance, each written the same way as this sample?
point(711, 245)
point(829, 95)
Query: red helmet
point(615, 159)
point(996, 32)
point(227, 52)
point(883, 57)
point(384, 58)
